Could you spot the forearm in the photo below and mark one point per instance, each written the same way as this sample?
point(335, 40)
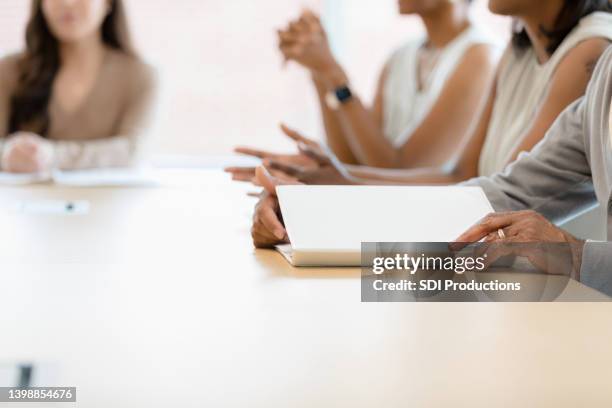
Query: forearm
point(366, 137)
point(359, 127)
point(335, 137)
point(421, 176)
point(118, 151)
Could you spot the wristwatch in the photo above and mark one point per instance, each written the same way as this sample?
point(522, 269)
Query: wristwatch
point(338, 97)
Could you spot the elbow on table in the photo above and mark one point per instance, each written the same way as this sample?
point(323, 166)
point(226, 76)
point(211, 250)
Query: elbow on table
point(458, 173)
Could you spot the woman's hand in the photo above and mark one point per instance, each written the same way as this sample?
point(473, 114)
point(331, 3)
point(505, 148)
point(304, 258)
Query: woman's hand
point(527, 234)
point(327, 169)
point(301, 160)
point(268, 229)
point(248, 173)
point(305, 42)
point(27, 153)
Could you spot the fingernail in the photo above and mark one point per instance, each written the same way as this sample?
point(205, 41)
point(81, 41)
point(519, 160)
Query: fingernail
point(279, 233)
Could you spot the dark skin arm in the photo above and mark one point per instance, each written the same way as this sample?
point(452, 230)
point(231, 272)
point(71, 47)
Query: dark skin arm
point(434, 142)
point(305, 42)
point(465, 166)
point(569, 82)
point(355, 131)
point(576, 68)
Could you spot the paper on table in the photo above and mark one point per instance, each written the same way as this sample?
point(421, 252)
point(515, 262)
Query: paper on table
point(120, 177)
point(15, 179)
point(125, 177)
point(339, 218)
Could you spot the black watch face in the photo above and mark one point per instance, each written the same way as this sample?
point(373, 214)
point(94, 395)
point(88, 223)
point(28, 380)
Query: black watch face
point(344, 94)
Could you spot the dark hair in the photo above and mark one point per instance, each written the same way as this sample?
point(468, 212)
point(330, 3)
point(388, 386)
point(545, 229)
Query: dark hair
point(40, 64)
point(570, 15)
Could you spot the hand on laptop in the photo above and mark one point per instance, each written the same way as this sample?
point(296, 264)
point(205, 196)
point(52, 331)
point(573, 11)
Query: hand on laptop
point(268, 229)
point(526, 234)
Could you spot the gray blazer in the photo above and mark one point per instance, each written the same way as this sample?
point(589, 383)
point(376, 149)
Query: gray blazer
point(568, 172)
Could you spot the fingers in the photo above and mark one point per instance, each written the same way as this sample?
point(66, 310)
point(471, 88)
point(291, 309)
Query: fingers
point(266, 223)
point(294, 32)
point(311, 18)
point(286, 38)
point(288, 169)
point(296, 136)
point(262, 237)
point(298, 27)
point(263, 240)
point(489, 224)
point(249, 151)
point(21, 157)
point(26, 148)
point(241, 173)
point(314, 154)
point(20, 164)
point(301, 26)
point(270, 220)
point(493, 252)
point(27, 153)
point(292, 52)
point(25, 145)
point(266, 180)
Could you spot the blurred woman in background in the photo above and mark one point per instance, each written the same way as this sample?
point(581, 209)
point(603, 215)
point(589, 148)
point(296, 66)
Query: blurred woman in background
point(77, 96)
point(428, 93)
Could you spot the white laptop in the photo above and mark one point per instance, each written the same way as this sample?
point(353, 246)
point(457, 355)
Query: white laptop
point(327, 224)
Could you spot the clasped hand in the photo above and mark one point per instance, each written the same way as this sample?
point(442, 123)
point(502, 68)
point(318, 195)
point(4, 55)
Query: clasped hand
point(304, 41)
point(27, 153)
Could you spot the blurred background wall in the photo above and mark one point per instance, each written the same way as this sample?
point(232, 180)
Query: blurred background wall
point(222, 78)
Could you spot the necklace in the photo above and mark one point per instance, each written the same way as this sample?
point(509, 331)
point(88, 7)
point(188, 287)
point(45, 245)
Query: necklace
point(428, 58)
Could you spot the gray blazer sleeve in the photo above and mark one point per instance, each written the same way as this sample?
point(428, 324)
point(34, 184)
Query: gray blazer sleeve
point(556, 178)
point(553, 179)
point(596, 270)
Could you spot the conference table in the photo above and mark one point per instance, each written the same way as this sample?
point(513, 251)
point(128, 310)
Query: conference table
point(155, 297)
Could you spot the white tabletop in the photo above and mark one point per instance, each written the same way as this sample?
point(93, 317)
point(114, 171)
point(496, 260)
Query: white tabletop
point(157, 298)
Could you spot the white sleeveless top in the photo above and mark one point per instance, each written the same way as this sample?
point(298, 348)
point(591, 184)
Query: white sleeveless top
point(405, 105)
point(522, 86)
